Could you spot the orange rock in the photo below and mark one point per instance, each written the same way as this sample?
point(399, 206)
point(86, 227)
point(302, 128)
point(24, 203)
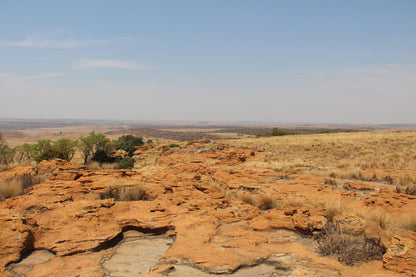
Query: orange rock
point(401, 255)
point(356, 186)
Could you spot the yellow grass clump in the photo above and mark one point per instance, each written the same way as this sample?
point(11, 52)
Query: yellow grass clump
point(333, 208)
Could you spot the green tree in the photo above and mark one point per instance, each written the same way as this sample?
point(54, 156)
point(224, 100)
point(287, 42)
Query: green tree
point(92, 143)
point(128, 143)
point(86, 146)
point(67, 147)
point(6, 155)
point(41, 147)
point(49, 154)
point(62, 149)
point(25, 152)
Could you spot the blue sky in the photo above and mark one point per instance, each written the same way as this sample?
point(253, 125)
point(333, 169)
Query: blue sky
point(280, 61)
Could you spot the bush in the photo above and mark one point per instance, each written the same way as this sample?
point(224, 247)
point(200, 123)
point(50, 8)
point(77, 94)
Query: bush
point(266, 202)
point(350, 251)
point(50, 154)
point(101, 156)
point(149, 141)
point(126, 163)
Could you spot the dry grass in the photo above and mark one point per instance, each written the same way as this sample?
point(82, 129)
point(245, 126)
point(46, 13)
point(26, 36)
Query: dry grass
point(347, 155)
point(104, 166)
point(122, 191)
point(263, 201)
point(333, 208)
point(411, 190)
point(246, 197)
point(384, 220)
point(408, 223)
point(16, 186)
point(10, 189)
point(266, 201)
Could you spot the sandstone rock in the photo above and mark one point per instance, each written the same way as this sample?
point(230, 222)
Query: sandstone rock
point(401, 255)
point(356, 186)
point(350, 224)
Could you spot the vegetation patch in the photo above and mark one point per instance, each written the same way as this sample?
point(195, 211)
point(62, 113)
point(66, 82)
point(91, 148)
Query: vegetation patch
point(349, 250)
point(17, 185)
point(126, 163)
point(410, 190)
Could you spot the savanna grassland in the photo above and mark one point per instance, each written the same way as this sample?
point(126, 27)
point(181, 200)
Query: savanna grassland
point(372, 156)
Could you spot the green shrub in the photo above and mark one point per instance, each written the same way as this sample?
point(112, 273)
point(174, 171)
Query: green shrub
point(149, 141)
point(50, 154)
point(173, 145)
point(6, 155)
point(126, 163)
point(101, 156)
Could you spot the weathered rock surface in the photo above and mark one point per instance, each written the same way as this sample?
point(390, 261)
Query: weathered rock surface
point(401, 255)
point(184, 223)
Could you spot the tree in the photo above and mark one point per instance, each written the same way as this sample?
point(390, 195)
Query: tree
point(67, 147)
point(128, 143)
point(102, 156)
point(86, 146)
point(41, 147)
point(92, 143)
point(25, 152)
point(62, 149)
point(49, 154)
point(6, 155)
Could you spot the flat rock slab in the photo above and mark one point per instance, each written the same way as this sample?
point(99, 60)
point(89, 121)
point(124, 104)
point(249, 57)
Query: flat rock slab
point(134, 256)
point(35, 258)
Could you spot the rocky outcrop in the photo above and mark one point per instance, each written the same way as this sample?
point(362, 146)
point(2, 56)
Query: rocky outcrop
point(81, 218)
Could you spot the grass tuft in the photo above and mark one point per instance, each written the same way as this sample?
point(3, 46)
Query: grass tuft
point(332, 209)
point(266, 202)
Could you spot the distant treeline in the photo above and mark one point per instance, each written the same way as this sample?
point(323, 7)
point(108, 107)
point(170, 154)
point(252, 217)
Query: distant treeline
point(254, 131)
point(163, 134)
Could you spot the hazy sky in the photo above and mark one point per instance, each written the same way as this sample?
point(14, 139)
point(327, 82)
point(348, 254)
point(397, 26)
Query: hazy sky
point(281, 61)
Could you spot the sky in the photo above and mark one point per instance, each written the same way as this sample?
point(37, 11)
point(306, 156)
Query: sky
point(235, 60)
